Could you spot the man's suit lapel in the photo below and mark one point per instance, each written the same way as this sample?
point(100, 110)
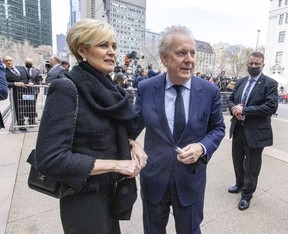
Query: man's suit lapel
point(52, 71)
point(159, 100)
point(196, 97)
point(23, 74)
point(13, 75)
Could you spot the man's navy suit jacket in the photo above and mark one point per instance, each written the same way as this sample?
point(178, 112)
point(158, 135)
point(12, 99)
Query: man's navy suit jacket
point(205, 125)
point(11, 77)
point(55, 73)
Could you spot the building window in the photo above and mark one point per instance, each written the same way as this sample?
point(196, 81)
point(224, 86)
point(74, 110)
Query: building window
point(281, 18)
point(278, 58)
point(281, 37)
point(280, 3)
point(286, 2)
point(286, 18)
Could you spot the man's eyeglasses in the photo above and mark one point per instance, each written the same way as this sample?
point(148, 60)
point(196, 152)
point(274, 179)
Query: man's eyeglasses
point(7, 60)
point(255, 64)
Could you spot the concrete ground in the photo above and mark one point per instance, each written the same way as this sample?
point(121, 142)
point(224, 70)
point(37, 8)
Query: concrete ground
point(23, 210)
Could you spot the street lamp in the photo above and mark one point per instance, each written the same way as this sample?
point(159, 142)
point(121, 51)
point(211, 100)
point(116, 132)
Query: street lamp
point(257, 39)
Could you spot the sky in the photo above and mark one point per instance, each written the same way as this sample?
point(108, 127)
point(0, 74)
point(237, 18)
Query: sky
point(213, 21)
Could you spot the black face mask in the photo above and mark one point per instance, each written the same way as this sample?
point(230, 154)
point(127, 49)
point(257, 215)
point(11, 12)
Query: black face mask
point(254, 71)
point(28, 65)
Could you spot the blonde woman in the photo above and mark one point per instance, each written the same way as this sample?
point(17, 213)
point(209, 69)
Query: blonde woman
point(100, 153)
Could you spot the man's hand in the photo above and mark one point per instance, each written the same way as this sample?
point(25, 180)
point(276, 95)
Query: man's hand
point(19, 84)
point(191, 153)
point(237, 111)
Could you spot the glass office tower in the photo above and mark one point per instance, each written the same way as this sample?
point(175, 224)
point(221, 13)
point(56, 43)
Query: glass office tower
point(30, 20)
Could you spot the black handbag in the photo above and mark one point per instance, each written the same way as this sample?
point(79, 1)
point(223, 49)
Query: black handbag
point(125, 195)
point(44, 184)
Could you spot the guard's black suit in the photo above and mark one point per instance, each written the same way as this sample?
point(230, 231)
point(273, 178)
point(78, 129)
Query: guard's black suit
point(254, 133)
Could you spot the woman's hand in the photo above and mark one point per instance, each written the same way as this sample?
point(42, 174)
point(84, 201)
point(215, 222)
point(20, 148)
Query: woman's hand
point(138, 154)
point(129, 168)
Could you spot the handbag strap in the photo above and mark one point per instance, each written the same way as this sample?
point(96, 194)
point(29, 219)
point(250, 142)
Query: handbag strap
point(76, 110)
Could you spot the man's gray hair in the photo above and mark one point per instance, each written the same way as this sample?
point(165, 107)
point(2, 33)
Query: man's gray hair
point(165, 40)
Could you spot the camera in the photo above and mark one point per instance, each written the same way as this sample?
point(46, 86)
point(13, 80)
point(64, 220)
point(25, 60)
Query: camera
point(133, 56)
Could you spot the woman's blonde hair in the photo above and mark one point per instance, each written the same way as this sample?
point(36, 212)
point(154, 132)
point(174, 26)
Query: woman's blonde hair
point(86, 33)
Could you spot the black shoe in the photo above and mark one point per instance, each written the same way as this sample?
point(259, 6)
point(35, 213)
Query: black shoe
point(243, 204)
point(23, 129)
point(234, 189)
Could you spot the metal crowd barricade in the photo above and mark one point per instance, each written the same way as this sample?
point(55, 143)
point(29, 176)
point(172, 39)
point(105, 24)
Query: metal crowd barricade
point(224, 100)
point(27, 104)
point(133, 94)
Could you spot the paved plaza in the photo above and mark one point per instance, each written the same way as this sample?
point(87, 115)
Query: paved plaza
point(23, 210)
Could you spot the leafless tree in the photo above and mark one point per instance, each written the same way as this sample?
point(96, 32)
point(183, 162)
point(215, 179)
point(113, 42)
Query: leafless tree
point(5, 46)
point(20, 51)
point(235, 60)
point(151, 56)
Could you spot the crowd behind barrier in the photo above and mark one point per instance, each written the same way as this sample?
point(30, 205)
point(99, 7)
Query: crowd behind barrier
point(31, 104)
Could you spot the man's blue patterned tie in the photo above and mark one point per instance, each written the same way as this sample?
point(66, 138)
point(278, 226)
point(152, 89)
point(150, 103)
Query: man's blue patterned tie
point(179, 114)
point(245, 95)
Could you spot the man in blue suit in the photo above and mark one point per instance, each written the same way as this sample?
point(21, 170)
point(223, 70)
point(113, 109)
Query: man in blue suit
point(56, 71)
point(171, 178)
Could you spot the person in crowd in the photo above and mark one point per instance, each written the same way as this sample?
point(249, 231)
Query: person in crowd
point(65, 65)
point(151, 72)
point(206, 77)
point(231, 85)
point(36, 78)
point(20, 82)
point(120, 79)
point(214, 80)
point(142, 76)
point(47, 67)
point(124, 70)
point(252, 102)
point(100, 153)
point(127, 71)
point(3, 89)
point(56, 71)
point(199, 74)
point(137, 70)
point(178, 110)
point(117, 68)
